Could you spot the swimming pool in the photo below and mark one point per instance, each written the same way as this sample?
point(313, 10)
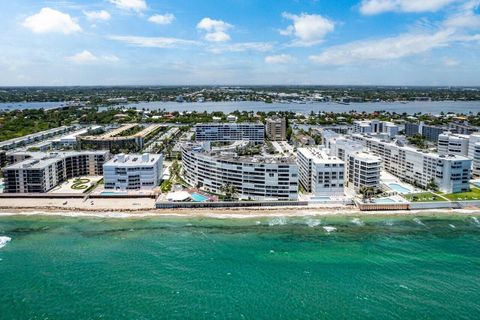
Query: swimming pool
point(110, 193)
point(324, 198)
point(198, 197)
point(399, 188)
point(384, 200)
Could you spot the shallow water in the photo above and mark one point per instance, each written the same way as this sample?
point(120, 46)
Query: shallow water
point(262, 268)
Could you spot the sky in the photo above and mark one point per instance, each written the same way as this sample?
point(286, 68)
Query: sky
point(240, 42)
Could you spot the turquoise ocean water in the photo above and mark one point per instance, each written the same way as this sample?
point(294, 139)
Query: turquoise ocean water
point(269, 268)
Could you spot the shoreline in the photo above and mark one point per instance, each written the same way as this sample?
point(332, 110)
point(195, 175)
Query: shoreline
point(145, 208)
point(292, 212)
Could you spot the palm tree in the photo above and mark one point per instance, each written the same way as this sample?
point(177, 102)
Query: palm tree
point(366, 192)
point(229, 190)
point(174, 168)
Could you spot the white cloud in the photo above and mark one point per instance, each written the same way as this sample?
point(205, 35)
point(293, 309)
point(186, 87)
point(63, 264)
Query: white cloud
point(153, 42)
point(242, 47)
point(372, 7)
point(218, 36)
point(135, 5)
point(87, 57)
point(51, 21)
point(162, 19)
point(101, 15)
point(216, 30)
point(111, 58)
point(384, 49)
point(467, 20)
point(449, 62)
point(308, 29)
point(279, 59)
point(465, 17)
point(83, 57)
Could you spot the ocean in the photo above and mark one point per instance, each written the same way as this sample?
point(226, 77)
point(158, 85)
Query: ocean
point(261, 268)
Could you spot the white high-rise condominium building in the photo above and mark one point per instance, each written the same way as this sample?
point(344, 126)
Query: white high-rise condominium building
point(38, 172)
point(328, 135)
point(474, 153)
point(451, 173)
point(133, 172)
point(375, 126)
point(341, 147)
point(363, 170)
point(463, 145)
point(320, 173)
point(253, 177)
point(450, 143)
point(225, 132)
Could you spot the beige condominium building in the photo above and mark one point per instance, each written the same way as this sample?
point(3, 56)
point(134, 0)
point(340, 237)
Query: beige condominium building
point(276, 129)
point(132, 136)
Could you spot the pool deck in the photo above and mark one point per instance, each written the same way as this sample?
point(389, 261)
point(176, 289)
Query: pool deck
point(387, 179)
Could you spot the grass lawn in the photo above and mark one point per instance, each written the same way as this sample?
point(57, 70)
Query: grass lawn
point(423, 197)
point(473, 194)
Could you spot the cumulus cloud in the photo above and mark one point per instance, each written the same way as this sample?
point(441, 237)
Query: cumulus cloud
point(51, 21)
point(372, 7)
point(86, 56)
point(101, 15)
point(216, 30)
point(162, 19)
point(308, 29)
point(384, 49)
point(153, 42)
point(218, 36)
point(279, 59)
point(134, 5)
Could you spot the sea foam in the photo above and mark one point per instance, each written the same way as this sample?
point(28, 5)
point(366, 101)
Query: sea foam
point(475, 220)
point(418, 221)
point(329, 229)
point(312, 223)
point(4, 240)
point(358, 222)
point(278, 221)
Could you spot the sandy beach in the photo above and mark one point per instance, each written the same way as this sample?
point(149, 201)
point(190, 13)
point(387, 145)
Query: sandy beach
point(144, 207)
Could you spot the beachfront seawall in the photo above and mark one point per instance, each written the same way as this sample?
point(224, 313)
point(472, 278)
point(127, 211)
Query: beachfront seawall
point(444, 205)
point(223, 204)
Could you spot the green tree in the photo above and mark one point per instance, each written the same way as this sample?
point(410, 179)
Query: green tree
point(229, 190)
point(432, 185)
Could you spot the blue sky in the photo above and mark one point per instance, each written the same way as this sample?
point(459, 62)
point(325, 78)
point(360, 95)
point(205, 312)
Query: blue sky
point(187, 42)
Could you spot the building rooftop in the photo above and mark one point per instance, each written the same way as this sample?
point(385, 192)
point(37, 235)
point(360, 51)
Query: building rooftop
point(34, 135)
point(401, 145)
point(234, 157)
point(319, 155)
point(133, 160)
point(39, 160)
point(366, 157)
point(455, 135)
point(214, 124)
point(74, 135)
point(113, 134)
